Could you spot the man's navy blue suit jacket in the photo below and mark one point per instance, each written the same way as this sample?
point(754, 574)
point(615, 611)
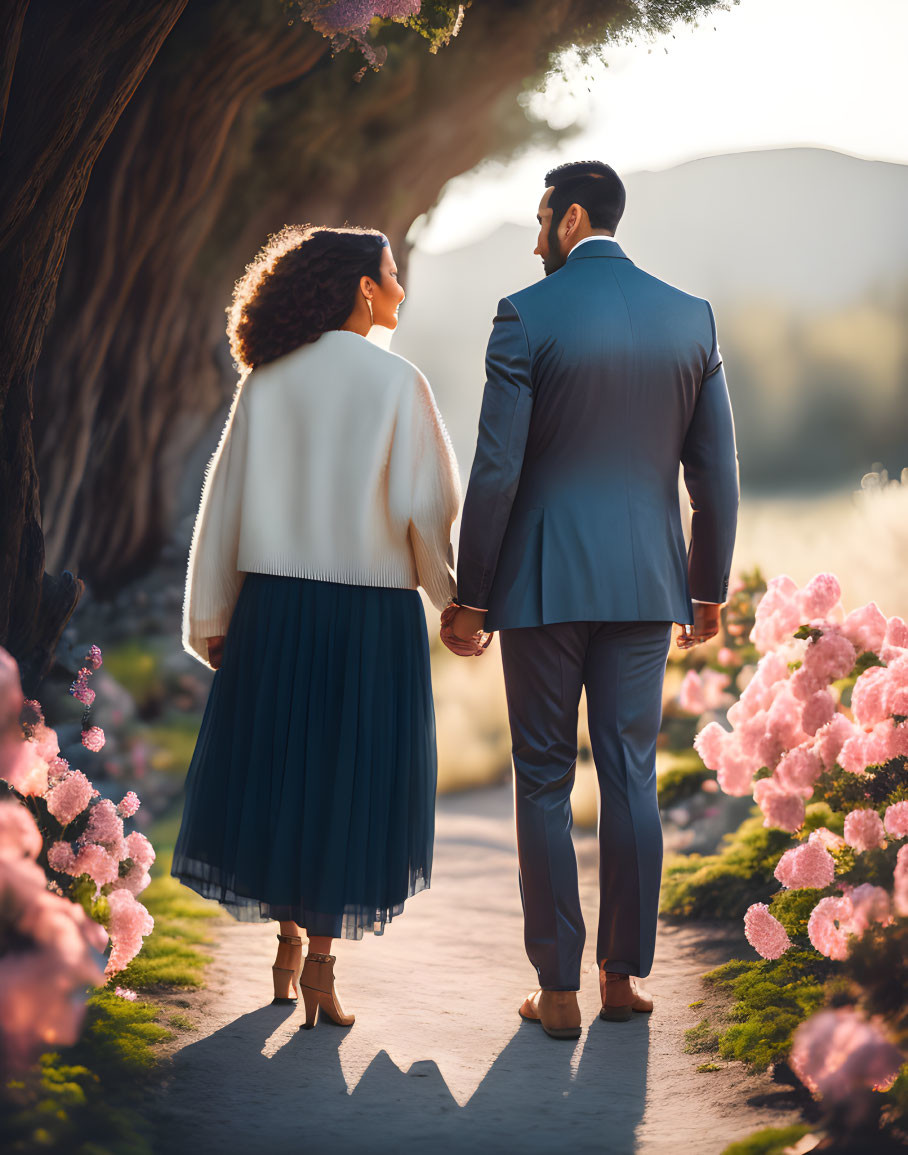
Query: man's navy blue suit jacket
point(601, 379)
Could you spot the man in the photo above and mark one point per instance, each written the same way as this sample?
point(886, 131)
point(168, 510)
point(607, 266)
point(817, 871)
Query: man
point(601, 379)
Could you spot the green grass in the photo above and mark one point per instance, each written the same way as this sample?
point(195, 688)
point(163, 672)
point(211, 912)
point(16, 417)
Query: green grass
point(701, 1039)
point(173, 954)
point(136, 665)
point(86, 1099)
point(771, 998)
point(771, 1141)
point(724, 885)
point(172, 740)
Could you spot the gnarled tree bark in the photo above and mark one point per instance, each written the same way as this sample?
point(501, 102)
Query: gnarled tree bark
point(69, 70)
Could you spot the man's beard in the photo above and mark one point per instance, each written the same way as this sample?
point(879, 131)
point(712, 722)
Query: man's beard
point(555, 260)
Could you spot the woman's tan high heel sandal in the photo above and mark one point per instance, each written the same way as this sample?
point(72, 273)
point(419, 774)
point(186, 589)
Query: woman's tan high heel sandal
point(319, 993)
point(294, 972)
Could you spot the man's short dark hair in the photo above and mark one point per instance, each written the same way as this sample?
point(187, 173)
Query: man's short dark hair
point(591, 184)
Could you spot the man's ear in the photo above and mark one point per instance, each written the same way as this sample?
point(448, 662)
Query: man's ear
point(571, 220)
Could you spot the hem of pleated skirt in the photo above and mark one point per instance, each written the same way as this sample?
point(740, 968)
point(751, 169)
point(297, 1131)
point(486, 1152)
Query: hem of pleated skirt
point(351, 922)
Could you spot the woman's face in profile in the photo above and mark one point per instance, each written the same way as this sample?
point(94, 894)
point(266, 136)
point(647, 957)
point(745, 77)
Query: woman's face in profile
point(389, 294)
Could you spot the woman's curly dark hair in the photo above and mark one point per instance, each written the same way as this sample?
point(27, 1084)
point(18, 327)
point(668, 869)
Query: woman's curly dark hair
point(302, 283)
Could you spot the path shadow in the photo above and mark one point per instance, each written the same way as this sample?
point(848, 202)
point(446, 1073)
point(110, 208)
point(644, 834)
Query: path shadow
point(539, 1094)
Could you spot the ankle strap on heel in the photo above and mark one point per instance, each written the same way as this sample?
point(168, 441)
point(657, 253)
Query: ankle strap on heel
point(293, 939)
point(320, 958)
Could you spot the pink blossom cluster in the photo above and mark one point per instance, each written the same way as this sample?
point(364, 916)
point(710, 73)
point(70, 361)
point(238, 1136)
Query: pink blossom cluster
point(789, 720)
point(837, 1053)
point(117, 863)
point(704, 691)
point(835, 918)
point(80, 688)
point(55, 953)
point(129, 923)
point(807, 865)
point(764, 932)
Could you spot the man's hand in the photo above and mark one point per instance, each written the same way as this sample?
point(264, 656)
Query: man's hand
point(215, 650)
point(462, 631)
point(706, 625)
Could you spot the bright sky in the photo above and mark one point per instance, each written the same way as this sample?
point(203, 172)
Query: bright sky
point(766, 73)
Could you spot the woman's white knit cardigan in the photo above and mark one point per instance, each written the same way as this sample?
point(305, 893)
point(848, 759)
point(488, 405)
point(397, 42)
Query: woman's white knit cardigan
point(335, 464)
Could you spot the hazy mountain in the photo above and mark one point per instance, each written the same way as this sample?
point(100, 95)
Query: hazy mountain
point(804, 255)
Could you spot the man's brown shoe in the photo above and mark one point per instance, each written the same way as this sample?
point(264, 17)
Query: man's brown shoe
point(558, 1012)
point(621, 997)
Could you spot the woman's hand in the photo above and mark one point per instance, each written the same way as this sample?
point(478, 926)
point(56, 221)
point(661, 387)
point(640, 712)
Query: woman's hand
point(215, 650)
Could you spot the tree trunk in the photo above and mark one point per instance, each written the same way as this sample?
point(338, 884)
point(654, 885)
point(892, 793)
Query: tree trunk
point(69, 69)
point(134, 338)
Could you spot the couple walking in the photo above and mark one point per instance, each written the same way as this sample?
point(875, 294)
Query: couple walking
point(330, 498)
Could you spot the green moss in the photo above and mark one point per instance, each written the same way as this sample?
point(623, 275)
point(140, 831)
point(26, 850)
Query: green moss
point(682, 779)
point(724, 885)
point(771, 1141)
point(771, 998)
point(181, 1022)
point(711, 1066)
point(793, 908)
point(697, 1003)
point(701, 1039)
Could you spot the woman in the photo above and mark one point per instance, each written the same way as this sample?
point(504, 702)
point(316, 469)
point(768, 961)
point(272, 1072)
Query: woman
point(310, 795)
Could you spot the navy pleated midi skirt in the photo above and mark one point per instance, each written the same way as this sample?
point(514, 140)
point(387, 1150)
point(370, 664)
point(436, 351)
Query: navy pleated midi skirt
point(310, 795)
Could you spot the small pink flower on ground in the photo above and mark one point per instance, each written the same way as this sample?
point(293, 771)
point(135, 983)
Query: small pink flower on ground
point(864, 830)
point(19, 834)
point(827, 838)
point(895, 820)
point(124, 993)
point(900, 881)
point(60, 857)
point(93, 739)
point(807, 865)
point(780, 808)
point(869, 904)
point(728, 657)
point(710, 786)
point(866, 628)
point(819, 709)
point(798, 770)
point(837, 1053)
point(69, 797)
point(819, 596)
point(764, 932)
point(129, 923)
point(831, 738)
point(828, 927)
point(128, 804)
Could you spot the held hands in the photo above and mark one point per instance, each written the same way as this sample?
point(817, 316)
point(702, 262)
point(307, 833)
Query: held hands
point(215, 650)
point(706, 626)
point(462, 632)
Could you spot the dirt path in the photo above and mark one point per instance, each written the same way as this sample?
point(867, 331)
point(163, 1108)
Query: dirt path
point(438, 1059)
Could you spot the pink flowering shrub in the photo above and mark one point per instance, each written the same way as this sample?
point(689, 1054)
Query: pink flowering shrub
point(55, 817)
point(821, 729)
